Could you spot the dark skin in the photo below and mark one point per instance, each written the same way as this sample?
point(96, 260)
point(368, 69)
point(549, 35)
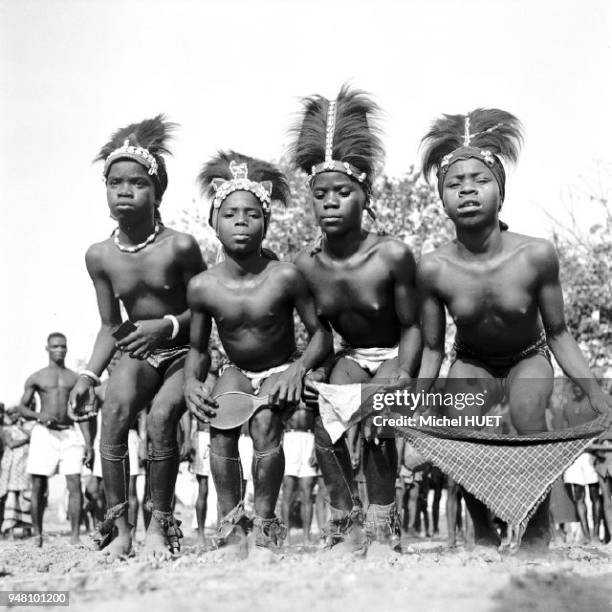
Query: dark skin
point(252, 300)
point(150, 283)
point(502, 289)
point(53, 385)
point(364, 285)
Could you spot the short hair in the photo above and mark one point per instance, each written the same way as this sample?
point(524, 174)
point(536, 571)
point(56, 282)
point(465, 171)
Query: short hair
point(56, 335)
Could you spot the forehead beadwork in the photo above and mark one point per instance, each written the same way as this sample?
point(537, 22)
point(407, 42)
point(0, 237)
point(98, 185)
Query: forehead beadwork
point(241, 182)
point(131, 152)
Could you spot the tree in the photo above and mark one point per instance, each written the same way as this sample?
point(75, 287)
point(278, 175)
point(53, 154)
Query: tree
point(586, 275)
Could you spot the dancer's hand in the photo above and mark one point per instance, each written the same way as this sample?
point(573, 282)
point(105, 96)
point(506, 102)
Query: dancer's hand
point(147, 337)
point(185, 452)
point(310, 395)
point(88, 457)
point(81, 397)
point(602, 404)
point(200, 403)
point(287, 388)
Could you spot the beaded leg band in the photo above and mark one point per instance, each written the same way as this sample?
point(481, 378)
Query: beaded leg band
point(340, 523)
point(171, 528)
point(269, 532)
point(236, 517)
point(105, 530)
point(383, 524)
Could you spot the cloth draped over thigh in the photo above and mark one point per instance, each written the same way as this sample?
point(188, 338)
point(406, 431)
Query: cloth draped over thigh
point(511, 475)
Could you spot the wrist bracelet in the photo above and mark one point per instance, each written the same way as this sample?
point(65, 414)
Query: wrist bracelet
point(175, 325)
point(95, 379)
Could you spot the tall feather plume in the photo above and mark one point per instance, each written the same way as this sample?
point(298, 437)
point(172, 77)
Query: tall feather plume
point(496, 130)
point(356, 134)
point(258, 170)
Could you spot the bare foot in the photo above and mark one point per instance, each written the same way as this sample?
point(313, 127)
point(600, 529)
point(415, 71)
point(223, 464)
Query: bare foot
point(155, 546)
point(119, 548)
point(75, 540)
point(235, 548)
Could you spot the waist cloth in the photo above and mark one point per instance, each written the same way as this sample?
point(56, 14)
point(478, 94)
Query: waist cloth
point(510, 474)
point(500, 365)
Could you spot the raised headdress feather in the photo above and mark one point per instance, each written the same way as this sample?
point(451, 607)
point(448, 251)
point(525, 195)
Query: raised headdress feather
point(489, 128)
point(356, 134)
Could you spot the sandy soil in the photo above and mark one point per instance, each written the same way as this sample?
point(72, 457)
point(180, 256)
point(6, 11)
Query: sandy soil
point(431, 578)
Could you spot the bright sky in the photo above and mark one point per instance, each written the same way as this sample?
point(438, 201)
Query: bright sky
point(231, 73)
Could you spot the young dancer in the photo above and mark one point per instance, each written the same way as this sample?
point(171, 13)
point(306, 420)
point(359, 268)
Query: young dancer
point(364, 285)
point(501, 289)
point(145, 266)
point(252, 299)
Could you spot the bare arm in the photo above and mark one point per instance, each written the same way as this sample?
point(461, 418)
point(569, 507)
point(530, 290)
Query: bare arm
point(108, 308)
point(407, 309)
point(198, 396)
point(320, 345)
point(562, 344)
point(433, 324)
point(27, 399)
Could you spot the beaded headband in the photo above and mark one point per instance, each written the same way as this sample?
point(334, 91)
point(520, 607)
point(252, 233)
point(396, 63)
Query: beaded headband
point(139, 154)
point(241, 182)
point(331, 164)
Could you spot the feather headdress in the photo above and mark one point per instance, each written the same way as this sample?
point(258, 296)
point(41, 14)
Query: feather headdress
point(145, 143)
point(489, 134)
point(229, 171)
point(340, 135)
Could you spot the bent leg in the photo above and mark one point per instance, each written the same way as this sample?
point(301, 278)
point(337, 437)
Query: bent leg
point(225, 465)
point(333, 458)
point(529, 386)
point(130, 388)
point(468, 377)
point(162, 423)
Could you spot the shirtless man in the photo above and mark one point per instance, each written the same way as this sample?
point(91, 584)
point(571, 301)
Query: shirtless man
point(300, 465)
point(501, 288)
point(364, 285)
point(145, 266)
point(252, 299)
point(56, 442)
point(579, 476)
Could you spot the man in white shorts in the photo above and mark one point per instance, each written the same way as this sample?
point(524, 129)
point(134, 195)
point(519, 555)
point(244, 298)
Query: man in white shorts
point(56, 443)
point(300, 466)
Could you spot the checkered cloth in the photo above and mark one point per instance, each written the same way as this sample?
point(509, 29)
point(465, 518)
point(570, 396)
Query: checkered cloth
point(511, 475)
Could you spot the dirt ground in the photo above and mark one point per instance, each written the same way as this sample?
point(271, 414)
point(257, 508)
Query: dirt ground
point(430, 577)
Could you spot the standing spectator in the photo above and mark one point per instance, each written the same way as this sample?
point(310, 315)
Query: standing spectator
point(15, 488)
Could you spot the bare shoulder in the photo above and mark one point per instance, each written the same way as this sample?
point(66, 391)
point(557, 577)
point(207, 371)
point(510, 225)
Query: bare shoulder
point(394, 250)
point(201, 287)
point(284, 270)
point(180, 240)
point(97, 253)
point(33, 380)
point(305, 260)
point(431, 264)
point(538, 250)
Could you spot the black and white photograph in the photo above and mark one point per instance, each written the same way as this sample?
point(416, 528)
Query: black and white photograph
point(307, 305)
